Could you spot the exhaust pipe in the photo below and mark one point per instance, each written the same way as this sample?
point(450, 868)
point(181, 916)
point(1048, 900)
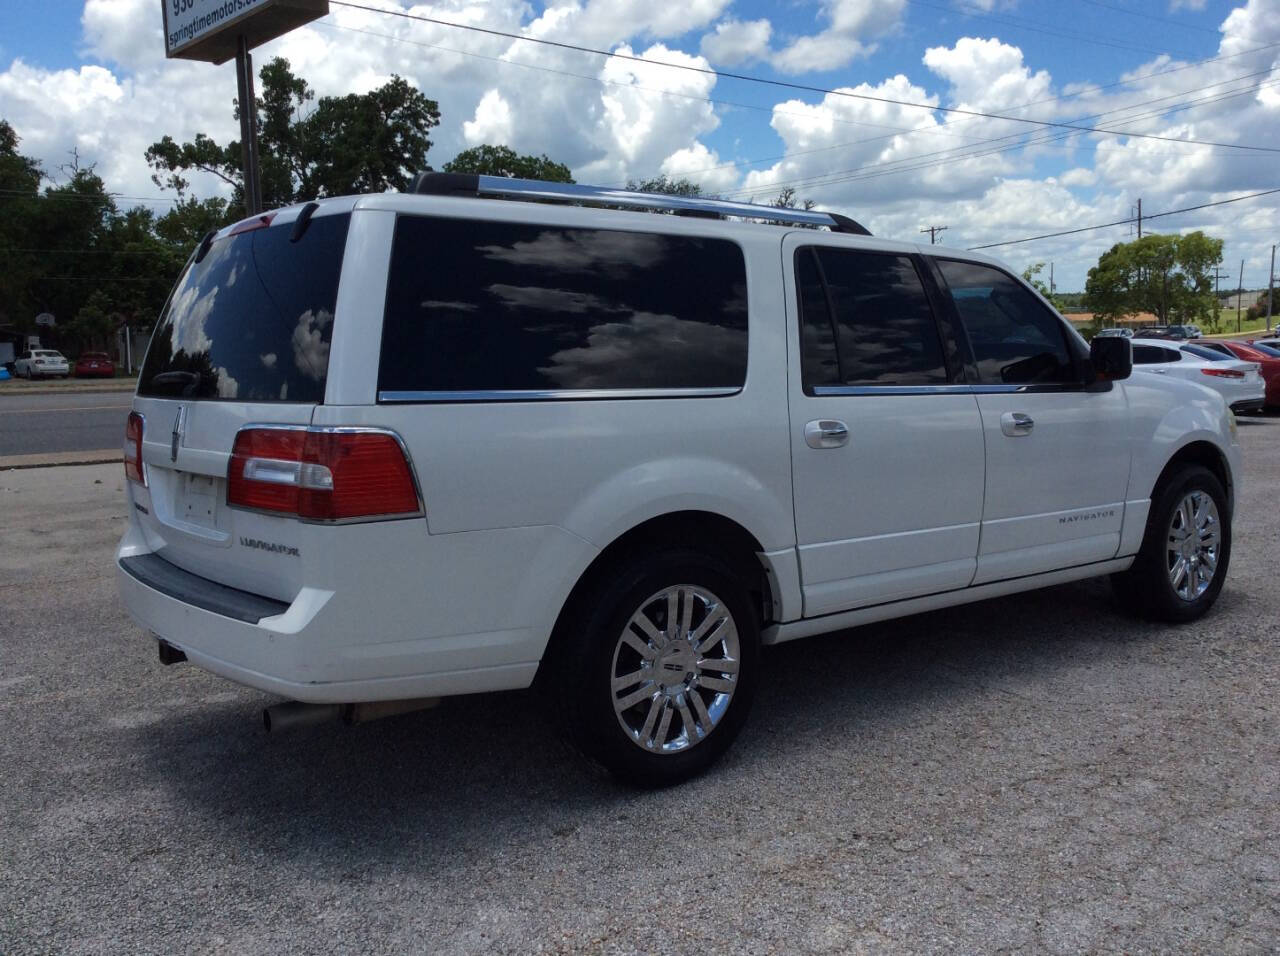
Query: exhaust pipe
point(294, 713)
point(170, 654)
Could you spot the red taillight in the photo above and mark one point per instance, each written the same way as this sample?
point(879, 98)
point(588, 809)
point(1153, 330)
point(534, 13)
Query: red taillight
point(322, 475)
point(133, 449)
point(1222, 372)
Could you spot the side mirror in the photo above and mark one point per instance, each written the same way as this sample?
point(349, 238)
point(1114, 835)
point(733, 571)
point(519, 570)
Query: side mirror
point(1111, 358)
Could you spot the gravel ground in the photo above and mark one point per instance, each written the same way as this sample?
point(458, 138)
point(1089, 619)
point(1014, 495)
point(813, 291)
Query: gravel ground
point(1035, 773)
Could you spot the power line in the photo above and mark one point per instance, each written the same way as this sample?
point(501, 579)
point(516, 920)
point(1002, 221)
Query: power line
point(954, 154)
point(1019, 23)
point(1123, 222)
point(783, 84)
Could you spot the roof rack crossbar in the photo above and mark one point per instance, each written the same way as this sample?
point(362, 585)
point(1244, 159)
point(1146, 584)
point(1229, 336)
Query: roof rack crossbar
point(470, 184)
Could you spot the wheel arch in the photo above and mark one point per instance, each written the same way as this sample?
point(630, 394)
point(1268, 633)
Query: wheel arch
point(1205, 454)
point(700, 530)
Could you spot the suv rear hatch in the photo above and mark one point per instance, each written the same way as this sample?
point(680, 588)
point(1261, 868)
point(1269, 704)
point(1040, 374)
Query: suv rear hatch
point(243, 340)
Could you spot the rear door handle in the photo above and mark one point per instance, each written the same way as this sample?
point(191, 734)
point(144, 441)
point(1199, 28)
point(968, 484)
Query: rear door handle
point(1015, 424)
point(826, 433)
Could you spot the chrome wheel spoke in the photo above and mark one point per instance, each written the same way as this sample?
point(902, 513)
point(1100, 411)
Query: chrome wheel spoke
point(664, 726)
point(630, 680)
point(700, 708)
point(716, 683)
point(725, 633)
point(719, 665)
point(655, 708)
point(692, 731)
point(647, 651)
point(649, 629)
point(713, 618)
point(626, 703)
point(659, 672)
point(686, 613)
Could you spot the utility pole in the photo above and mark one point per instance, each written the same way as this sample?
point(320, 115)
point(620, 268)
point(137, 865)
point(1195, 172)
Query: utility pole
point(933, 233)
point(1271, 280)
point(248, 129)
point(1217, 302)
point(1139, 218)
point(1051, 286)
point(1239, 295)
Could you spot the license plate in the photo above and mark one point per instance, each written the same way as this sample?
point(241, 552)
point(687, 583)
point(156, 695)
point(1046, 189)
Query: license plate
point(200, 500)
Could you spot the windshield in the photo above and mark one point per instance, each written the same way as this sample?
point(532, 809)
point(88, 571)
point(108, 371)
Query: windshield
point(252, 320)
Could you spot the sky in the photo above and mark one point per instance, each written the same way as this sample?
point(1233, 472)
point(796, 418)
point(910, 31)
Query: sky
point(1199, 79)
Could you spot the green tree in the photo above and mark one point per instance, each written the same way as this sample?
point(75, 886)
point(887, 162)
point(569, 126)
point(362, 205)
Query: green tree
point(1032, 275)
point(671, 187)
point(1166, 275)
point(787, 200)
point(190, 219)
point(503, 161)
point(359, 143)
point(20, 178)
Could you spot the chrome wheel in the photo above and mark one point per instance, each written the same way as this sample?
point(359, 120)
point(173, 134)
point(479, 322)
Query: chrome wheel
point(675, 669)
point(1193, 542)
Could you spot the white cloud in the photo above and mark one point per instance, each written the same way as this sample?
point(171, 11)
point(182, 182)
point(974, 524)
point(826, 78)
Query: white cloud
point(1078, 177)
point(987, 75)
point(737, 41)
point(493, 122)
point(854, 25)
point(702, 166)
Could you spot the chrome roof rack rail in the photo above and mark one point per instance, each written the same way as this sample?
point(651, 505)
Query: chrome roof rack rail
point(472, 184)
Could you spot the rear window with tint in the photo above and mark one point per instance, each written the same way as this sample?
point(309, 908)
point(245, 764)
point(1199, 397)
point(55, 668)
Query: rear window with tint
point(476, 306)
point(252, 321)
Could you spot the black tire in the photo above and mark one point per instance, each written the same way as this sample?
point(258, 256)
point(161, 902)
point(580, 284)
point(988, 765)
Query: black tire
point(1146, 588)
point(588, 648)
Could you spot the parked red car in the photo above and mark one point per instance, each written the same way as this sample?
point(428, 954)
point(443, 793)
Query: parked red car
point(1265, 356)
point(95, 364)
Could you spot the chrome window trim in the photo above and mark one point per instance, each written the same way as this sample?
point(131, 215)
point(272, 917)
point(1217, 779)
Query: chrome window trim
point(552, 395)
point(822, 391)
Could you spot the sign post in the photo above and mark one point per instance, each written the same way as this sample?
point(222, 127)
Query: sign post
point(217, 30)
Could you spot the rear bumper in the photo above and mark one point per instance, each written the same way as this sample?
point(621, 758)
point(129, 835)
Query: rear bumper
point(408, 621)
point(265, 656)
point(1247, 405)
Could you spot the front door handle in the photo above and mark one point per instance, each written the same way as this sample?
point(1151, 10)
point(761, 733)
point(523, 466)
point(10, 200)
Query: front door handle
point(826, 433)
point(1015, 424)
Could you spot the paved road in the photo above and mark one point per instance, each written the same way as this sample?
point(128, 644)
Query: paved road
point(1037, 773)
point(50, 422)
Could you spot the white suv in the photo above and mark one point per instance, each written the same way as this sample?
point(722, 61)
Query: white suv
point(401, 446)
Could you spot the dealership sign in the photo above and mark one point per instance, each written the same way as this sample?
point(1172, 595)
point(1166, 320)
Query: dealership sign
point(210, 30)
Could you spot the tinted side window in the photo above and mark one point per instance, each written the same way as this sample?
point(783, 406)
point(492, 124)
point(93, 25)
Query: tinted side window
point(1015, 339)
point(1148, 355)
point(819, 365)
point(884, 329)
point(491, 306)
